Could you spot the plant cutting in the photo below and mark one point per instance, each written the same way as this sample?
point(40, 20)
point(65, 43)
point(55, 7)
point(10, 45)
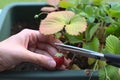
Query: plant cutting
point(93, 26)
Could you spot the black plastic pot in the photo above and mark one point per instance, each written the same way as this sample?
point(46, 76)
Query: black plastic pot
point(25, 12)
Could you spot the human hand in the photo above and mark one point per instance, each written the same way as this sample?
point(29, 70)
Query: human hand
point(27, 46)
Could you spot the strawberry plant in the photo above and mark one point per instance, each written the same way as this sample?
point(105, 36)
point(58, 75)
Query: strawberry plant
point(94, 26)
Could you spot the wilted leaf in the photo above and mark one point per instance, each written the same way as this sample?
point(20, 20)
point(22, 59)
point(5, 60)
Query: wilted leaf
point(77, 24)
point(75, 67)
point(56, 21)
point(48, 9)
point(53, 2)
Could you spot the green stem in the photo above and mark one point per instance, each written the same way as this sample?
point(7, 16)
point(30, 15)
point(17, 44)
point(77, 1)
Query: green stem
point(37, 15)
point(94, 68)
point(106, 75)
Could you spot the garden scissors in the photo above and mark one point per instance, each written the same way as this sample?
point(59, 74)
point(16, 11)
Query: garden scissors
point(112, 59)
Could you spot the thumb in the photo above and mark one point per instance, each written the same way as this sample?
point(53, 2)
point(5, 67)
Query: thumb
point(45, 61)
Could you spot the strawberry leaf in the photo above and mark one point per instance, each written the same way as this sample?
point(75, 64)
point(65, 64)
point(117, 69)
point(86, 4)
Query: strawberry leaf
point(56, 21)
point(77, 24)
point(114, 11)
point(113, 44)
point(73, 39)
point(67, 3)
point(53, 2)
point(48, 9)
point(93, 45)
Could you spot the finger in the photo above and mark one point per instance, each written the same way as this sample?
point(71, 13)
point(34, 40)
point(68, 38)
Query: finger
point(63, 67)
point(39, 59)
point(49, 39)
point(34, 36)
point(42, 52)
point(48, 48)
point(1, 68)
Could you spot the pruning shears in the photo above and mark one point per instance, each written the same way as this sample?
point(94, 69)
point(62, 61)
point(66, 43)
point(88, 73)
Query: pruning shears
point(111, 59)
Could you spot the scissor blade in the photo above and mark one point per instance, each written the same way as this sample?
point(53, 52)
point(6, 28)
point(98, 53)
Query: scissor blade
point(81, 51)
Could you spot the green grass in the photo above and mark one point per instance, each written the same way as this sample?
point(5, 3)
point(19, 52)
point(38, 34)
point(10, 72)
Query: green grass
point(3, 3)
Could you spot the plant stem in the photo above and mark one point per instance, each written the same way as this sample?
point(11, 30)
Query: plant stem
point(94, 68)
point(37, 15)
point(106, 74)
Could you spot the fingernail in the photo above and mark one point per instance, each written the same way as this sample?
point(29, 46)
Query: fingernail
point(52, 63)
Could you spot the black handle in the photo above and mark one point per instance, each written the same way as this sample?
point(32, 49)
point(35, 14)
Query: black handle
point(113, 59)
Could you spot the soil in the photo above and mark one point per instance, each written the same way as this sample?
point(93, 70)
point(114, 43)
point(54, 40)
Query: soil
point(18, 26)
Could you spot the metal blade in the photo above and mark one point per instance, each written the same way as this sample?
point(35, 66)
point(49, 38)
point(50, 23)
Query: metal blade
point(81, 51)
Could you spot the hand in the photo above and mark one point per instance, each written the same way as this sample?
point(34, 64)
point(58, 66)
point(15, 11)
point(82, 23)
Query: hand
point(27, 46)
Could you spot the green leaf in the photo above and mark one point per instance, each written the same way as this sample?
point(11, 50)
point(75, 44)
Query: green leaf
point(114, 29)
point(111, 29)
point(75, 67)
point(90, 13)
point(82, 13)
point(110, 71)
point(94, 29)
point(58, 35)
point(91, 61)
point(108, 19)
point(114, 11)
point(73, 39)
point(101, 64)
point(67, 4)
point(113, 44)
point(87, 35)
point(85, 1)
point(93, 45)
point(91, 19)
point(89, 10)
point(75, 10)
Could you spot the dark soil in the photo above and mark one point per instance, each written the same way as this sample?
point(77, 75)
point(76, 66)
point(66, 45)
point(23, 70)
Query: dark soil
point(18, 26)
